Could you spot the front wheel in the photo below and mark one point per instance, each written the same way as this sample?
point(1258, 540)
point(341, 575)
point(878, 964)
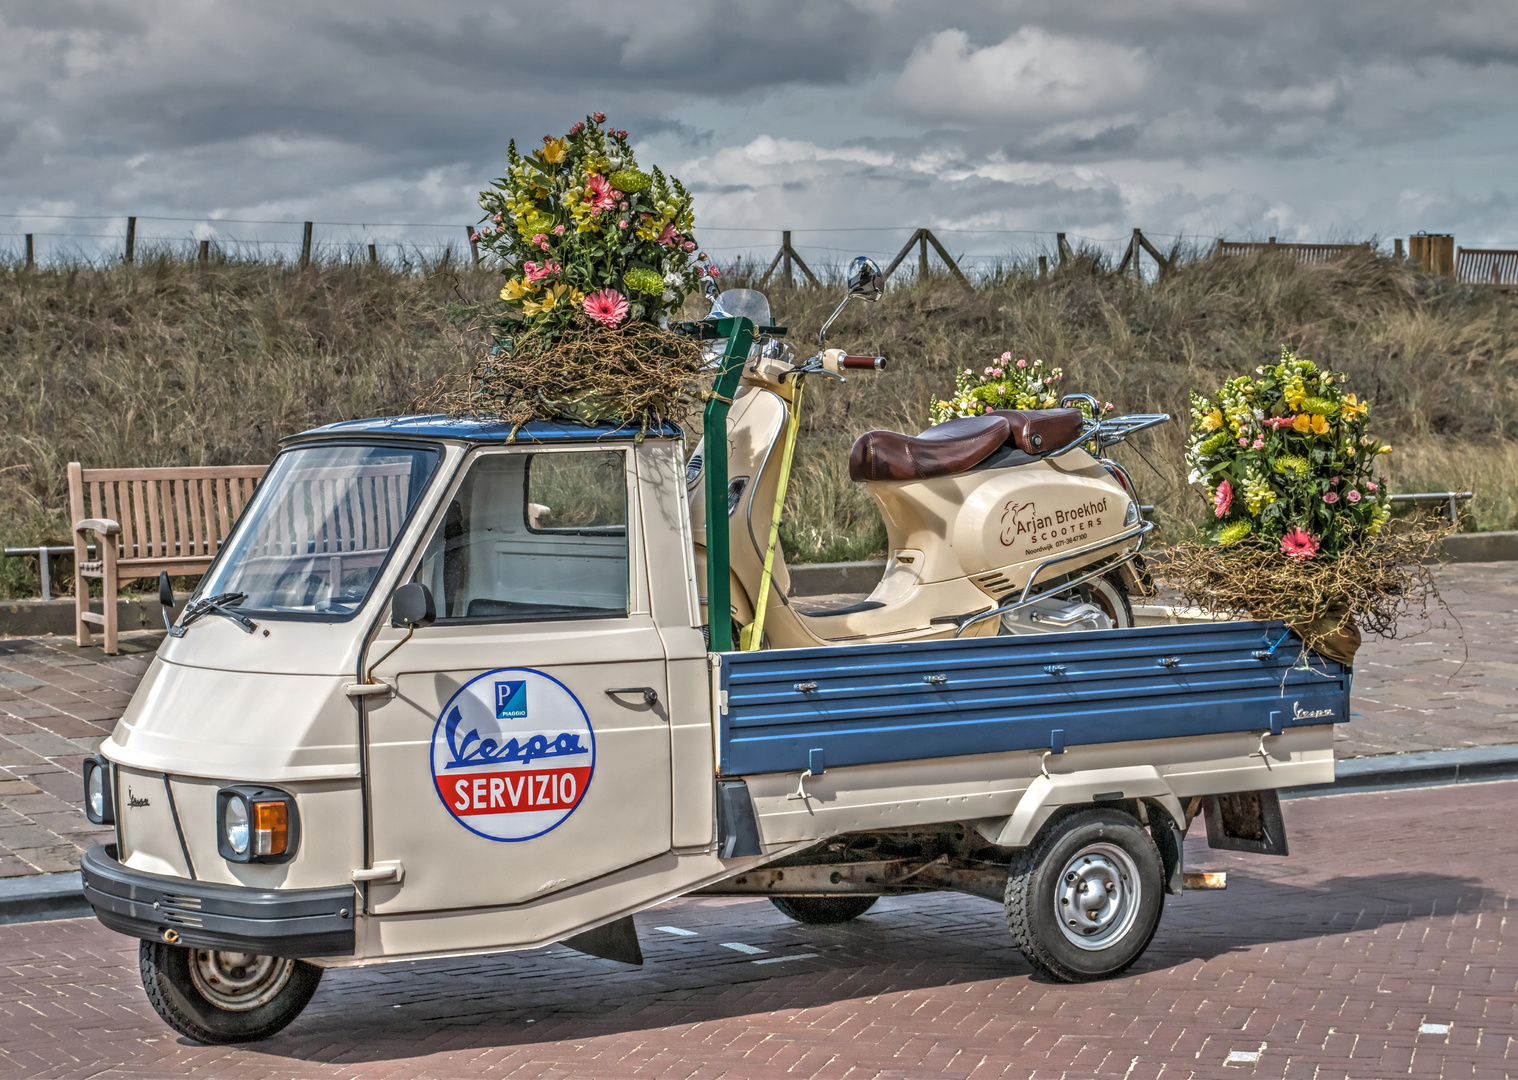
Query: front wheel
point(823, 910)
point(216, 997)
point(1084, 900)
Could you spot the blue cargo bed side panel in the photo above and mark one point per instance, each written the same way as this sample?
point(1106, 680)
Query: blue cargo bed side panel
point(926, 699)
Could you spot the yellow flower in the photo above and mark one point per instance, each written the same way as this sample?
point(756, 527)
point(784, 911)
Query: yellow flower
point(1352, 408)
point(1302, 422)
point(555, 151)
point(517, 288)
point(1320, 425)
point(1212, 421)
point(1384, 450)
point(1294, 395)
point(551, 296)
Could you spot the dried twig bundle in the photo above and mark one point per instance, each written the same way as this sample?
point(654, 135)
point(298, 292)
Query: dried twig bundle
point(632, 375)
point(1370, 585)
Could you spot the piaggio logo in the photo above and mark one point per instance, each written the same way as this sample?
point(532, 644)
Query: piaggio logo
point(511, 700)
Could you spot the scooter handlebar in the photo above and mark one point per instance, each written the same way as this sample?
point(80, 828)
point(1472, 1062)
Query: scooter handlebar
point(863, 363)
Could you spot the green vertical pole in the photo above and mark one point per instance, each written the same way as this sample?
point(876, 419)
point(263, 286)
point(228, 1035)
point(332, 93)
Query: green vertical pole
point(719, 603)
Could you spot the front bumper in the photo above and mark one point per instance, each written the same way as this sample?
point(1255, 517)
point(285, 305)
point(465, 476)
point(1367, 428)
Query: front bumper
point(206, 915)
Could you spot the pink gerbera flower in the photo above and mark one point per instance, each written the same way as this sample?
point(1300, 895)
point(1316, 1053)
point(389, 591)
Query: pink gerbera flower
point(1298, 544)
point(608, 307)
point(1222, 498)
point(602, 197)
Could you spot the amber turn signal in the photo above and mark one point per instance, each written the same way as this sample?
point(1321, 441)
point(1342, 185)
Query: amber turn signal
point(271, 828)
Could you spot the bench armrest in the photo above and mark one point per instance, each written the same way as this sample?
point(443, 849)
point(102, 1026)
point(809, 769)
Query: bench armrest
point(105, 526)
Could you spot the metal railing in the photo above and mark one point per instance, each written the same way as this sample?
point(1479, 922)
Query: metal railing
point(1454, 498)
point(44, 557)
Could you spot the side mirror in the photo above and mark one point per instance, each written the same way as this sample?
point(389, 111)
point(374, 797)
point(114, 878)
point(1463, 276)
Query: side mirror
point(412, 606)
point(866, 282)
point(165, 590)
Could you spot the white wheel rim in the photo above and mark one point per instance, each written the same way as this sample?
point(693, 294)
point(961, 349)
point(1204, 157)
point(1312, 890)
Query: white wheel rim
point(238, 981)
point(1097, 897)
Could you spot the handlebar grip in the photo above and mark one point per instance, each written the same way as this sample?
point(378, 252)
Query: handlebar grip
point(869, 363)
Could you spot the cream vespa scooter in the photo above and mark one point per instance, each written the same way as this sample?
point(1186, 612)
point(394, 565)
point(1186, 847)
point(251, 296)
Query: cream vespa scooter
point(1002, 523)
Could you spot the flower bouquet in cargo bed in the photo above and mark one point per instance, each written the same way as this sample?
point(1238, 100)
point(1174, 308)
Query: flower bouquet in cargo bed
point(1301, 526)
point(595, 252)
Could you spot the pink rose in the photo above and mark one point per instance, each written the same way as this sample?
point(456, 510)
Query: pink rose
point(558, 230)
point(578, 127)
point(598, 117)
point(1352, 495)
point(1370, 485)
point(622, 224)
point(690, 245)
point(1258, 444)
point(1331, 498)
point(1022, 363)
point(1006, 356)
point(1243, 442)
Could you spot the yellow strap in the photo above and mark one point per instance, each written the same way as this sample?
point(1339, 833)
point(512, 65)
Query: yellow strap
point(753, 634)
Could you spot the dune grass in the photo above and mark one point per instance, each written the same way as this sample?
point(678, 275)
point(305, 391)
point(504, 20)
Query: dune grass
point(169, 362)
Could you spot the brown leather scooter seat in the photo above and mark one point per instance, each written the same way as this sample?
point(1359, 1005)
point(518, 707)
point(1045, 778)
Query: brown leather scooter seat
point(1037, 431)
point(942, 450)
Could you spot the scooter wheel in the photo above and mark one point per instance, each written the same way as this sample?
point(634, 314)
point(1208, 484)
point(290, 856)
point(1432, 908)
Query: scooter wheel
point(216, 997)
point(823, 910)
point(1109, 595)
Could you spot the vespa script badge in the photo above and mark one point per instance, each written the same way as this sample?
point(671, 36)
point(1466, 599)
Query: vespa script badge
point(512, 754)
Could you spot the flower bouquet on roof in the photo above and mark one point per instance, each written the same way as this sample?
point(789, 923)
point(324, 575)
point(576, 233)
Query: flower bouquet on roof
point(1004, 383)
point(596, 252)
point(1299, 511)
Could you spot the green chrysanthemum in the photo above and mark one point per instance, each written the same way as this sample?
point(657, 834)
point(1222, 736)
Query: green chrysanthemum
point(1215, 443)
point(630, 181)
point(1320, 406)
point(1233, 532)
point(1296, 466)
point(644, 281)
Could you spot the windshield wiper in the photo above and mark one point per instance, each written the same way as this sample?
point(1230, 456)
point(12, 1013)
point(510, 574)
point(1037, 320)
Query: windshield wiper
point(220, 604)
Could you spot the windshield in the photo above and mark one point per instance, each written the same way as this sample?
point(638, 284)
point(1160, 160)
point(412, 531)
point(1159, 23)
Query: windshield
point(746, 302)
point(319, 529)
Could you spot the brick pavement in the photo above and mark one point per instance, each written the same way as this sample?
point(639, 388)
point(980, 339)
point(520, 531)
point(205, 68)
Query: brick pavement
point(1325, 964)
point(1421, 692)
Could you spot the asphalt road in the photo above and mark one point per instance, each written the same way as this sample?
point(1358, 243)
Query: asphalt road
point(1382, 946)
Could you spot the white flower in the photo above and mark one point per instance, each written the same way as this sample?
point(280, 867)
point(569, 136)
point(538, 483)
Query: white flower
point(1194, 478)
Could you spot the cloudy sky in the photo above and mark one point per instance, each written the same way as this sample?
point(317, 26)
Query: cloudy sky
point(995, 122)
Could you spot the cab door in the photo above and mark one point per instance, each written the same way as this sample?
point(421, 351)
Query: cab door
point(527, 748)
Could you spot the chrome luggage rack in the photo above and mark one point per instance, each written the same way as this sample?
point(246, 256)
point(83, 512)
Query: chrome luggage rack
point(1108, 432)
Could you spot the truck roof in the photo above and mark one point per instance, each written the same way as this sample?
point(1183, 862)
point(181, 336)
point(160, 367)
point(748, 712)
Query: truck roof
point(482, 430)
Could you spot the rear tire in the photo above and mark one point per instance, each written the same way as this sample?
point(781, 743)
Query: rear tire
point(823, 910)
point(218, 997)
point(1109, 594)
point(1084, 900)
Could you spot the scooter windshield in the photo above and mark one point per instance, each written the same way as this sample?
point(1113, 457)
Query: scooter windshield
point(319, 529)
point(749, 303)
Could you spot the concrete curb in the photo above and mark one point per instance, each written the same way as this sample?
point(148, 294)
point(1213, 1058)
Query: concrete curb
point(45, 896)
point(61, 896)
point(33, 618)
point(1481, 547)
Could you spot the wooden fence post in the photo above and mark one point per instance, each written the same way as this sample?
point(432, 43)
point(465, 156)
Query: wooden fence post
point(31, 262)
point(1161, 261)
point(205, 252)
point(1043, 266)
point(1397, 249)
point(373, 254)
point(921, 239)
point(131, 244)
point(305, 246)
point(785, 253)
point(922, 254)
point(788, 255)
point(1063, 245)
point(474, 244)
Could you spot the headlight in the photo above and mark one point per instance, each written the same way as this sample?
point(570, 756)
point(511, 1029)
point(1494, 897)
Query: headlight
point(256, 824)
point(99, 807)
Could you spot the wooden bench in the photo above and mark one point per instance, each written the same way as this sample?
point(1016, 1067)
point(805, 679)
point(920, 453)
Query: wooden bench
point(1490, 266)
point(1303, 253)
point(146, 521)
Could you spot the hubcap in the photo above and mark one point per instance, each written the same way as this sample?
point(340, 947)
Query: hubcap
point(1097, 896)
point(238, 981)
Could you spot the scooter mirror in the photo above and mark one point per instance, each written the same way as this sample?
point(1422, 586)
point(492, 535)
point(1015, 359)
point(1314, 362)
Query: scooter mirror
point(412, 606)
point(165, 590)
point(865, 279)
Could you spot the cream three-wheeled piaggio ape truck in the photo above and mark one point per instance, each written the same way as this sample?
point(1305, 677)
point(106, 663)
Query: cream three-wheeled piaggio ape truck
point(447, 693)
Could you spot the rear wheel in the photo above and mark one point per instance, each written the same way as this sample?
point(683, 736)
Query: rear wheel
point(216, 996)
point(1109, 595)
point(823, 910)
point(1084, 900)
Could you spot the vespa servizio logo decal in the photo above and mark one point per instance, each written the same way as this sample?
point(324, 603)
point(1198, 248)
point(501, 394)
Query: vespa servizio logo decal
point(512, 754)
point(1299, 713)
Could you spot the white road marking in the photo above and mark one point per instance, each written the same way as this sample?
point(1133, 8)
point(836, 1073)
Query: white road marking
point(676, 931)
point(1433, 1029)
point(738, 946)
point(783, 959)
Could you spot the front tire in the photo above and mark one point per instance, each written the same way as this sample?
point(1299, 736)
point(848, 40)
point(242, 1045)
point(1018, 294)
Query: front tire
point(1083, 901)
point(823, 910)
point(218, 997)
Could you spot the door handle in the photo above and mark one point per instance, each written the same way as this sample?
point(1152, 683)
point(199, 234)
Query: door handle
point(650, 695)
